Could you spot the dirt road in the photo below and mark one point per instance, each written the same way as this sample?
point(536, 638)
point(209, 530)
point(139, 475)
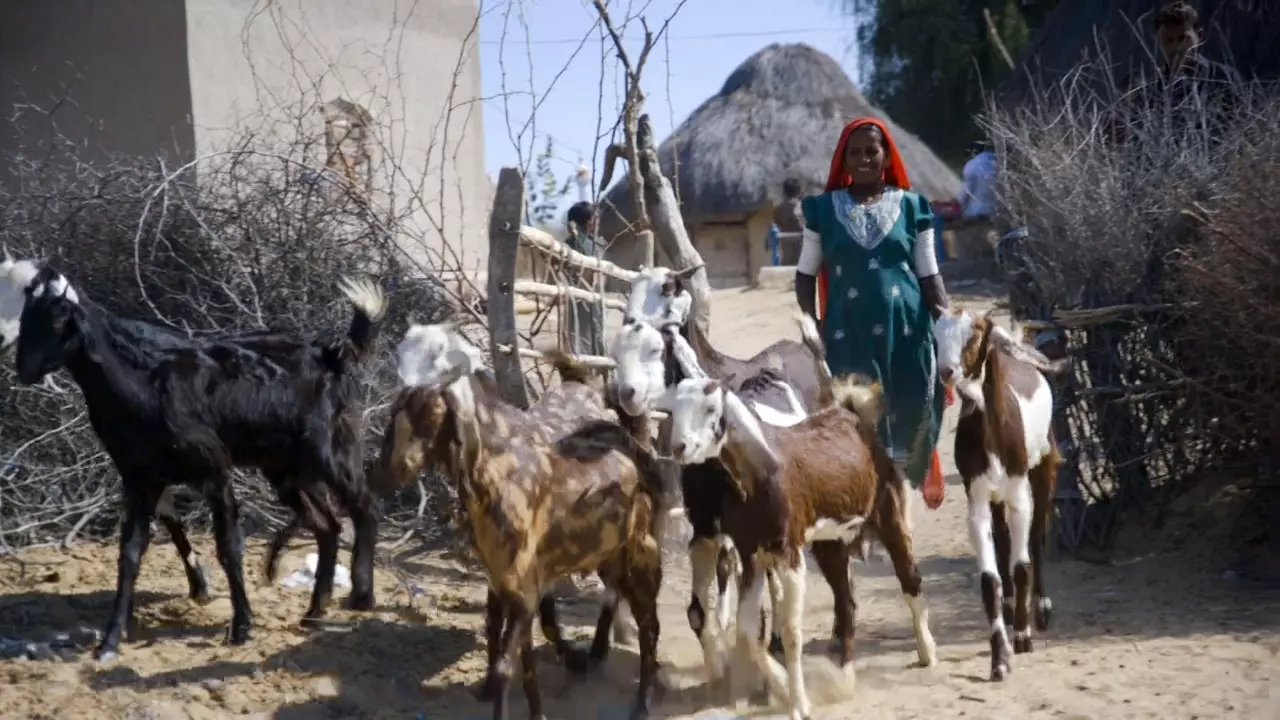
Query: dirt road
point(1147, 637)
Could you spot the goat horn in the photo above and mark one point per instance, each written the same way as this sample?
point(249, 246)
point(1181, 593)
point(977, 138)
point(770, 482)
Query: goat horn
point(687, 273)
point(7, 257)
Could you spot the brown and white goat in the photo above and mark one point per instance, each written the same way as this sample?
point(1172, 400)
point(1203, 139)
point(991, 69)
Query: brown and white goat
point(1006, 453)
point(819, 480)
point(539, 511)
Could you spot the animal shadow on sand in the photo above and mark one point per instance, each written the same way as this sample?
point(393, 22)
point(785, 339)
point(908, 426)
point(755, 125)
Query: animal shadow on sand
point(38, 616)
point(376, 666)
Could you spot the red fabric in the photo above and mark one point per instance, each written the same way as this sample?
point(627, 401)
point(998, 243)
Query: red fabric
point(895, 174)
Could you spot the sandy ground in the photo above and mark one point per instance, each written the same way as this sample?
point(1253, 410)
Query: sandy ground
point(1145, 637)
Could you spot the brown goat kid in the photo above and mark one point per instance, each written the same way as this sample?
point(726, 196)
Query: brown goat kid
point(818, 480)
point(1006, 453)
point(538, 511)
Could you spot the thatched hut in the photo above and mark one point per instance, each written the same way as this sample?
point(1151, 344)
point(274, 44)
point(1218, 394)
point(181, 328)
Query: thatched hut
point(778, 115)
point(1243, 33)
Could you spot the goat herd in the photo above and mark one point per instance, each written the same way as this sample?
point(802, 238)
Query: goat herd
point(775, 457)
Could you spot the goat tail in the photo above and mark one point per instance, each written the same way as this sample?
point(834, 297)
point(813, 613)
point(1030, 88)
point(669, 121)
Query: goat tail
point(371, 307)
point(812, 339)
point(861, 396)
point(570, 368)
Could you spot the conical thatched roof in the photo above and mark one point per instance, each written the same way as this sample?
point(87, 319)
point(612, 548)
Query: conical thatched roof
point(778, 115)
point(1242, 33)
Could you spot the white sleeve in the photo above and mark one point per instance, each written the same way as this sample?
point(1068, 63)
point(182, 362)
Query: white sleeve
point(926, 256)
point(810, 253)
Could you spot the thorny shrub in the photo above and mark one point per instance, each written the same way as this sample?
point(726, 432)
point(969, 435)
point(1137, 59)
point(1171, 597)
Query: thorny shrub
point(245, 239)
point(1133, 196)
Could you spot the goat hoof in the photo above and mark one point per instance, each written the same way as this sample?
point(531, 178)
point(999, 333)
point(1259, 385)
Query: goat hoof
point(1021, 645)
point(487, 690)
point(640, 711)
point(360, 602)
point(199, 586)
point(104, 654)
point(999, 672)
point(238, 635)
point(1043, 616)
point(578, 661)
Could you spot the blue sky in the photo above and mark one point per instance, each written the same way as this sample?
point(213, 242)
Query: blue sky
point(535, 48)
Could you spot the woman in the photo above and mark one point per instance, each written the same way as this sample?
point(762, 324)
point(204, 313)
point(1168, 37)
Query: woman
point(869, 250)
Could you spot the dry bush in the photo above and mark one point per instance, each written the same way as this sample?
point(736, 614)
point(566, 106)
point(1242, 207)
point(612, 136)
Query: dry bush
point(252, 238)
point(1151, 240)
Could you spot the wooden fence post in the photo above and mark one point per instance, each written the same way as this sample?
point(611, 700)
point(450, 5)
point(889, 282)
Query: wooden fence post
point(504, 244)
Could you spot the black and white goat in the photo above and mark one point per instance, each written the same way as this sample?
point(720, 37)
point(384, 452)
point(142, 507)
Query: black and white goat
point(176, 410)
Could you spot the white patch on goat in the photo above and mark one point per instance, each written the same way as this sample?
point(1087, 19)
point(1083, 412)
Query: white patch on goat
point(366, 296)
point(15, 275)
point(980, 537)
point(951, 333)
point(422, 355)
point(640, 375)
point(702, 563)
point(791, 619)
point(779, 418)
point(728, 601)
point(749, 627)
point(696, 410)
point(646, 301)
point(56, 287)
point(926, 648)
point(829, 529)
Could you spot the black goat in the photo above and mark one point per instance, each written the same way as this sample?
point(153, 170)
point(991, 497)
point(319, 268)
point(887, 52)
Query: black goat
point(171, 409)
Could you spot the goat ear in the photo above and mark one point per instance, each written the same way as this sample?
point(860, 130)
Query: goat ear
point(666, 402)
point(460, 360)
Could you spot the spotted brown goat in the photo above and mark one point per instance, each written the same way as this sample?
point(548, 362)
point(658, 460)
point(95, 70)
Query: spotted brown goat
point(827, 478)
point(172, 409)
point(1007, 455)
point(409, 446)
point(538, 510)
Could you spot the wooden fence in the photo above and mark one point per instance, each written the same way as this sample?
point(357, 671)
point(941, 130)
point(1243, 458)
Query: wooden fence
point(577, 278)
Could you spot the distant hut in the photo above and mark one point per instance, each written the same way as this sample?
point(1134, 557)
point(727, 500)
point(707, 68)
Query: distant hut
point(778, 116)
point(1242, 33)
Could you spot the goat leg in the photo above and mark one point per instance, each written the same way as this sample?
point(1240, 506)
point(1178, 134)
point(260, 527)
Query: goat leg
point(576, 660)
point(517, 619)
point(1020, 511)
point(1000, 534)
point(349, 485)
point(493, 619)
point(832, 557)
point(641, 592)
point(271, 564)
point(230, 544)
point(197, 581)
point(135, 535)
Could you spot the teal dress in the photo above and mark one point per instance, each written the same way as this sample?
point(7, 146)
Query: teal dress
point(875, 321)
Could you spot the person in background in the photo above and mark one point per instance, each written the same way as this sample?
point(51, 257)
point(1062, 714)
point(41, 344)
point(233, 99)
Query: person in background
point(585, 326)
point(978, 196)
point(868, 252)
point(790, 223)
point(1185, 84)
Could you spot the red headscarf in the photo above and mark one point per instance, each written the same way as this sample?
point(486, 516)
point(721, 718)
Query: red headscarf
point(895, 174)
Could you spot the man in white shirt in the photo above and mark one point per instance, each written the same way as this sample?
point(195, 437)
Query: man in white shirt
point(978, 197)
